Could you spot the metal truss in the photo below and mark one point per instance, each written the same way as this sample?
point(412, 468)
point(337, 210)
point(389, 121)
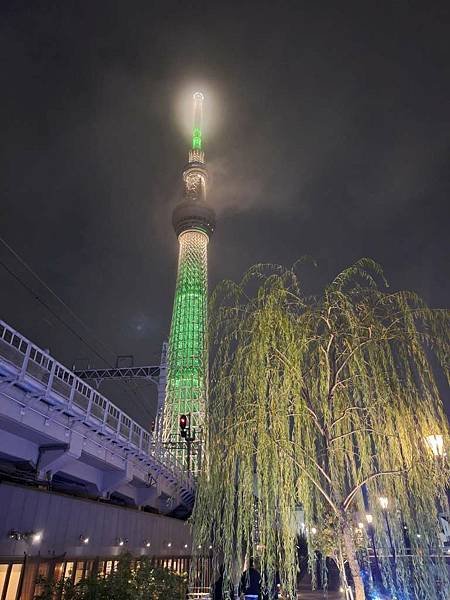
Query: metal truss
point(150, 373)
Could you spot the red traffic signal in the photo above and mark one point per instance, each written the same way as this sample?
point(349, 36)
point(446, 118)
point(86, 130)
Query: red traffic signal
point(183, 425)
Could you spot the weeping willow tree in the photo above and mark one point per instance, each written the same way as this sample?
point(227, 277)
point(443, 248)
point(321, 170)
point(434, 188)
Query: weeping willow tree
point(325, 402)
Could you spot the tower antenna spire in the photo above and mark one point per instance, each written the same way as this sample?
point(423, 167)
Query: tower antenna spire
point(198, 118)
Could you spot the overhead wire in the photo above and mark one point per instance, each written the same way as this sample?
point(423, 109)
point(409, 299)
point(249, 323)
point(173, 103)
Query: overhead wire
point(38, 298)
point(55, 295)
point(48, 307)
point(125, 385)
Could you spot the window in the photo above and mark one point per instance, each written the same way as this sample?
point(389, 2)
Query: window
point(42, 575)
point(9, 580)
point(13, 584)
point(59, 569)
point(89, 568)
point(69, 570)
point(79, 571)
point(43, 570)
point(3, 573)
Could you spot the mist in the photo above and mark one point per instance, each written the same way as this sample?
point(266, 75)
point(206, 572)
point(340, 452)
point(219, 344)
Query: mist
point(326, 133)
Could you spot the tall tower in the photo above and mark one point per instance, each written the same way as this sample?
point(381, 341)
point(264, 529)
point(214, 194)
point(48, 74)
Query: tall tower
point(193, 221)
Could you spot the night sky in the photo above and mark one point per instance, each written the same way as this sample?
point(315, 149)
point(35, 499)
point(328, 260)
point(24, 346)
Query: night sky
point(328, 135)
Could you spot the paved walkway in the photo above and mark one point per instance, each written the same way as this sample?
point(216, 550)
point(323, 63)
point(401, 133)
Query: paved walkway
point(305, 592)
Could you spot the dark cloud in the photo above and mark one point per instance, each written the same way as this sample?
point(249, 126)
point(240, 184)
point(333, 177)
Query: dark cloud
point(329, 135)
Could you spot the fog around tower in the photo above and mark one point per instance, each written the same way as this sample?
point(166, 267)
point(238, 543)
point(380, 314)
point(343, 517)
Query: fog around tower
point(326, 133)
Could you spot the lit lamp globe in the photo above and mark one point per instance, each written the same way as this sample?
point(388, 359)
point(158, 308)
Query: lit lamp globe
point(436, 444)
point(384, 501)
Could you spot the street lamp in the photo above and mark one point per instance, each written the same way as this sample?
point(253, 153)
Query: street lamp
point(376, 573)
point(383, 502)
point(27, 536)
point(436, 444)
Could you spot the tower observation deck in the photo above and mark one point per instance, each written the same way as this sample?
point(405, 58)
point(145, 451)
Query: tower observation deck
point(193, 221)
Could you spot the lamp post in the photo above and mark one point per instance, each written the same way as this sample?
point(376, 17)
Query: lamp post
point(371, 534)
point(435, 443)
point(384, 503)
point(188, 434)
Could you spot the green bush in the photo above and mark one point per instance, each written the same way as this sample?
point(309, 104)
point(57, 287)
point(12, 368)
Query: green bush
point(145, 582)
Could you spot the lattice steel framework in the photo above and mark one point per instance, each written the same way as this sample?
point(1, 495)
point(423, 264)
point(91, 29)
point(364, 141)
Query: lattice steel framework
point(187, 372)
point(186, 385)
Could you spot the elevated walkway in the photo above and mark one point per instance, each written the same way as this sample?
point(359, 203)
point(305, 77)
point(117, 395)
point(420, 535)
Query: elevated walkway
point(55, 422)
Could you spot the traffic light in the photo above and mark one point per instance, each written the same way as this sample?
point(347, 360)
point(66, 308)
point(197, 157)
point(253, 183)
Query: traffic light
point(183, 425)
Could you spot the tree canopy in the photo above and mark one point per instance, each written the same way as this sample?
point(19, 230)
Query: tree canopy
point(326, 402)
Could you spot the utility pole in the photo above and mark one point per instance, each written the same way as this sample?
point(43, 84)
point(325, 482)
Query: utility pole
point(188, 434)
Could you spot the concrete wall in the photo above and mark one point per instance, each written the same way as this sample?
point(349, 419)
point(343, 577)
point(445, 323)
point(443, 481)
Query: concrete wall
point(61, 520)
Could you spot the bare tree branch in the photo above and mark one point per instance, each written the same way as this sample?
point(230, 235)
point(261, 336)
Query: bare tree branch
point(360, 430)
point(346, 411)
point(305, 394)
point(311, 478)
point(355, 490)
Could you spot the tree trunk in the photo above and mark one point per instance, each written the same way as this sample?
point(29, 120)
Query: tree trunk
point(353, 562)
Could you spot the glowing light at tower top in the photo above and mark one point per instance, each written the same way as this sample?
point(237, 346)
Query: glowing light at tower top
point(197, 125)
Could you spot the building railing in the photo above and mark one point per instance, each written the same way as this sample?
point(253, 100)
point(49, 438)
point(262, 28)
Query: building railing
point(30, 365)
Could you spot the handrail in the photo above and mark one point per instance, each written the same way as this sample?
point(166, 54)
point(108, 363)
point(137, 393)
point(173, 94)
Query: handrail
point(37, 364)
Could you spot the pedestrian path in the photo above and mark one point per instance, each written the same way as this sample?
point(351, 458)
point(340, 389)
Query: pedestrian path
point(304, 591)
point(308, 594)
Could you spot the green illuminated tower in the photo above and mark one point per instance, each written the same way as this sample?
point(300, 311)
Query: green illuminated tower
point(193, 221)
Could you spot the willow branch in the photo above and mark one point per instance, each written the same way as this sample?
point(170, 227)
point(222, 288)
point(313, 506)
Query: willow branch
point(345, 361)
point(311, 478)
point(315, 417)
point(346, 411)
point(360, 430)
point(355, 490)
